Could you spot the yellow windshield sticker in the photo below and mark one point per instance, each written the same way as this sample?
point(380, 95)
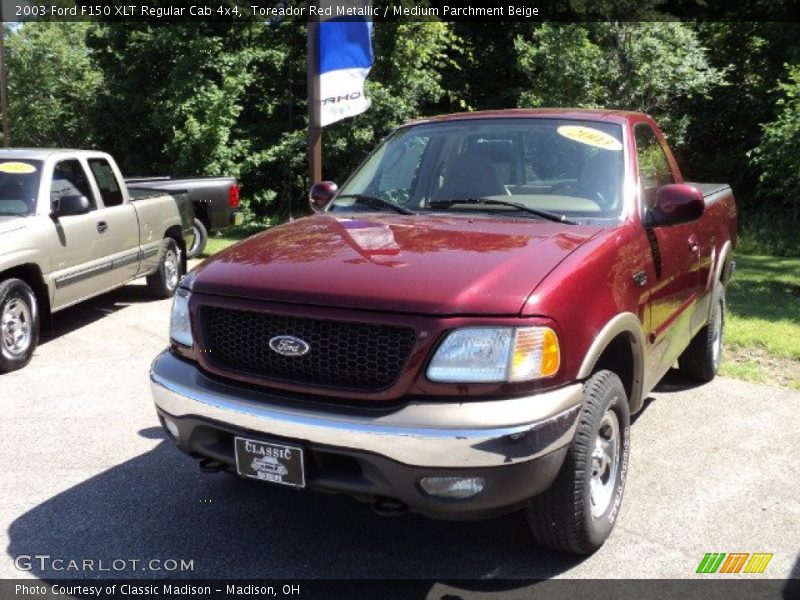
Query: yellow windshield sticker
point(590, 137)
point(16, 167)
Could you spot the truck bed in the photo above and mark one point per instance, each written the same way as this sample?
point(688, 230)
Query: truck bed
point(711, 191)
point(215, 199)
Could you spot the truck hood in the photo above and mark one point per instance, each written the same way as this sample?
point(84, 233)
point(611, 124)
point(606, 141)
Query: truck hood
point(431, 265)
point(8, 224)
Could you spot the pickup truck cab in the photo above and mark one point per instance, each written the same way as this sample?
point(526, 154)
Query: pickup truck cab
point(70, 230)
point(466, 326)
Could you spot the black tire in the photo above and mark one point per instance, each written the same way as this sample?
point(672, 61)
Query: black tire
point(19, 324)
point(164, 282)
point(564, 517)
point(703, 355)
point(200, 239)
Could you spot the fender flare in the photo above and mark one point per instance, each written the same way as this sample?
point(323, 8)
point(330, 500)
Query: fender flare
point(721, 275)
point(722, 271)
point(627, 324)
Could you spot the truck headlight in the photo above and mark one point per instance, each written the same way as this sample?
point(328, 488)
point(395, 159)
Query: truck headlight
point(180, 324)
point(496, 354)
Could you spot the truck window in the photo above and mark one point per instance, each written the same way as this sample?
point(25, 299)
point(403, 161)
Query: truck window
point(562, 166)
point(654, 170)
point(19, 187)
point(106, 180)
point(396, 180)
point(69, 179)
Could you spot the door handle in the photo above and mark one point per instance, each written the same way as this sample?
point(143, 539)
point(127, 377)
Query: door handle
point(694, 244)
point(102, 226)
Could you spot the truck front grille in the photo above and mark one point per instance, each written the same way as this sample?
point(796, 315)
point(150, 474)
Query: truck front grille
point(341, 354)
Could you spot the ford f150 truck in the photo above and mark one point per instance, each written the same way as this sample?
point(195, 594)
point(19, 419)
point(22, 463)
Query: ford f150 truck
point(215, 201)
point(70, 230)
point(464, 328)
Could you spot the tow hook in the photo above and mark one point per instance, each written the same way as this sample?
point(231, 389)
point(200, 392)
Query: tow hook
point(388, 507)
point(209, 465)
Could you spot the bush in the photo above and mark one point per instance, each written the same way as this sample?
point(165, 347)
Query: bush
point(773, 231)
point(777, 154)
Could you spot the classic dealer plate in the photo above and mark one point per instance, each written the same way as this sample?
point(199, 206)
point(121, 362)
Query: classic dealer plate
point(276, 463)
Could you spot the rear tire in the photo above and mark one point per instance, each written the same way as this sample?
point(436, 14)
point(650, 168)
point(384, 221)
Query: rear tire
point(578, 512)
point(19, 324)
point(164, 282)
point(703, 355)
point(200, 239)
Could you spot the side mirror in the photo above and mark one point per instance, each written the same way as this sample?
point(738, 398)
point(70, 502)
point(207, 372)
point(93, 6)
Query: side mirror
point(676, 203)
point(67, 206)
point(321, 194)
point(70, 205)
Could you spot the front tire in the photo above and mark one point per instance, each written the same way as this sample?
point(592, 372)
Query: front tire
point(578, 512)
point(164, 282)
point(703, 355)
point(19, 324)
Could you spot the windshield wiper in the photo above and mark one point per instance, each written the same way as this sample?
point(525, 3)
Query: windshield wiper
point(544, 214)
point(379, 201)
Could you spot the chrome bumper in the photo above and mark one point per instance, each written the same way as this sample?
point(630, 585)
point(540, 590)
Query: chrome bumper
point(435, 434)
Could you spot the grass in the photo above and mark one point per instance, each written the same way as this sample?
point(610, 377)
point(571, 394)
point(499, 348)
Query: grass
point(763, 326)
point(227, 237)
point(763, 321)
point(770, 231)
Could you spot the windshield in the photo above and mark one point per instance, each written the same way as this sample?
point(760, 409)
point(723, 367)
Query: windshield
point(558, 168)
point(19, 186)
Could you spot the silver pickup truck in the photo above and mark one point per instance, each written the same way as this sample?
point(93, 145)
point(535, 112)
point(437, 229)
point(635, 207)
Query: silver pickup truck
point(69, 230)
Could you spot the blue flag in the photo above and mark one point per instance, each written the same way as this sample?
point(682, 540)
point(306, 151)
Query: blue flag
point(345, 58)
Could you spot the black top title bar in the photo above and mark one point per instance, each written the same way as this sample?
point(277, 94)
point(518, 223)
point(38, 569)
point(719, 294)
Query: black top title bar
point(173, 11)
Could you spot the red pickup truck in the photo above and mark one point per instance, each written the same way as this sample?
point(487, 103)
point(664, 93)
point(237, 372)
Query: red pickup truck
point(465, 327)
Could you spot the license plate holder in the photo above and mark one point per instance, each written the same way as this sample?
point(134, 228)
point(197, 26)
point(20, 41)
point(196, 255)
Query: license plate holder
point(270, 461)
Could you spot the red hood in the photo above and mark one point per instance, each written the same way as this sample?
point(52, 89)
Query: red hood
point(422, 264)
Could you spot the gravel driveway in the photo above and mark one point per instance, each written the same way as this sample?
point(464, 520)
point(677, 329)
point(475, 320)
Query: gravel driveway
point(87, 474)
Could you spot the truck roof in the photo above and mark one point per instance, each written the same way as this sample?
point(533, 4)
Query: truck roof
point(44, 153)
point(589, 114)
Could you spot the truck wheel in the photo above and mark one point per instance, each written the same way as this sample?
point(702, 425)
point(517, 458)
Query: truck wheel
point(703, 355)
point(200, 240)
point(578, 512)
point(19, 324)
point(164, 282)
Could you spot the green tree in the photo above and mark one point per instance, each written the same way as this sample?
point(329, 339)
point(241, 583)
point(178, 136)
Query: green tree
point(173, 96)
point(52, 85)
point(777, 154)
point(727, 124)
point(646, 67)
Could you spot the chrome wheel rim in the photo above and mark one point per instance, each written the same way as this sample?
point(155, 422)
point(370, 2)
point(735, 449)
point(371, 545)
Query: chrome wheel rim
point(171, 268)
point(16, 326)
point(719, 325)
point(604, 464)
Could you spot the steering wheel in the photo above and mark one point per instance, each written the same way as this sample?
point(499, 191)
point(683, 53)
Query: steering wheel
point(583, 192)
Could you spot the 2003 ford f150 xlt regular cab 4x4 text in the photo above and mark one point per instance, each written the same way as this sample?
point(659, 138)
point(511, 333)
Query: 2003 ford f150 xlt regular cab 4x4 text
point(465, 327)
point(70, 230)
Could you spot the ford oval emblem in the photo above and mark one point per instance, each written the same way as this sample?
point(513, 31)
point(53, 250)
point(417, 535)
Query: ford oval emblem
point(288, 345)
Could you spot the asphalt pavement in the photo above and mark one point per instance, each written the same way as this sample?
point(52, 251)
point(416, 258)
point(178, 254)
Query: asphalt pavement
point(86, 474)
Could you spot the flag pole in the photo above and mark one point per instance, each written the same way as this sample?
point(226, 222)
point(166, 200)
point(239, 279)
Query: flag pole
point(3, 96)
point(314, 117)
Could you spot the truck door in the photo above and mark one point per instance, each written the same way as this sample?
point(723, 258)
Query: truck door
point(675, 255)
point(121, 236)
point(79, 265)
